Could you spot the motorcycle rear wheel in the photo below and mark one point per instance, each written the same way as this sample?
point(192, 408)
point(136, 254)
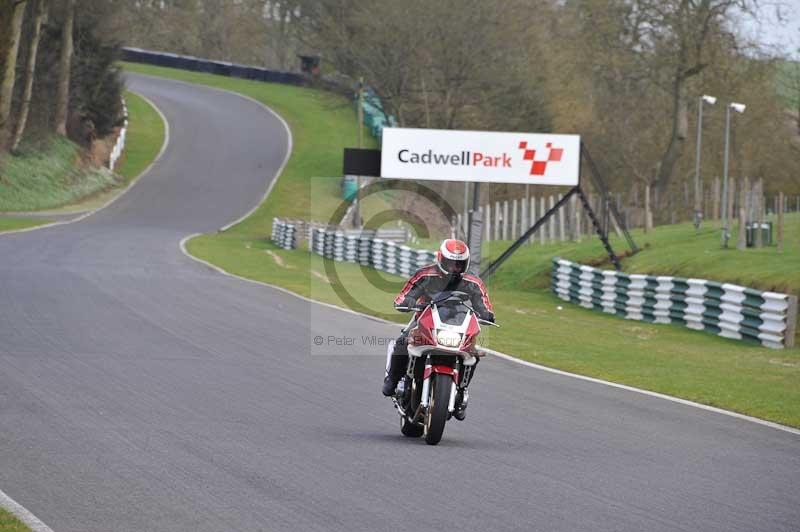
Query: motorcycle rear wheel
point(437, 408)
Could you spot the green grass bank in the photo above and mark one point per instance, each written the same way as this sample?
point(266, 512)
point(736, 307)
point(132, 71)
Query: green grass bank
point(49, 176)
point(9, 523)
point(536, 325)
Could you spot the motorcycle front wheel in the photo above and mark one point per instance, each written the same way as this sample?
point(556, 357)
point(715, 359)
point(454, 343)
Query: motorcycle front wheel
point(436, 416)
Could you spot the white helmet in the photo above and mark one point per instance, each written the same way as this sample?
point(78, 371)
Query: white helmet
point(453, 256)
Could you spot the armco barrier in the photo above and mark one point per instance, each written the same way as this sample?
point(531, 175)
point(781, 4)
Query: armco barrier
point(222, 68)
point(284, 234)
point(727, 310)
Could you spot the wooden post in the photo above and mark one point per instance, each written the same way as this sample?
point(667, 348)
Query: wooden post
point(524, 215)
point(562, 234)
point(741, 242)
point(543, 209)
point(716, 193)
point(648, 216)
point(779, 234)
point(533, 217)
point(486, 216)
point(791, 322)
point(505, 220)
point(578, 207)
point(514, 219)
point(552, 223)
point(758, 214)
point(496, 220)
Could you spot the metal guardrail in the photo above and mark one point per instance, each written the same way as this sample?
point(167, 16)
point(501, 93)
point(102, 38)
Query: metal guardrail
point(727, 310)
point(222, 68)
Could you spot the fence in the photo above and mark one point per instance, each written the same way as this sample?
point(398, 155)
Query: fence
point(119, 145)
point(726, 310)
point(222, 68)
point(509, 219)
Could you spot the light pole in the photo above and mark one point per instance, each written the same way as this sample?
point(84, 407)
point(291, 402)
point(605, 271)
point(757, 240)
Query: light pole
point(698, 194)
point(739, 108)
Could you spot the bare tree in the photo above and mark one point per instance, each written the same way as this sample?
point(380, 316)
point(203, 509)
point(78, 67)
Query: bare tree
point(64, 69)
point(30, 71)
point(11, 14)
point(679, 33)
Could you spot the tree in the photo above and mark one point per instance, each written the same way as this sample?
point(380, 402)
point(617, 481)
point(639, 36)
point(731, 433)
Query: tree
point(11, 15)
point(674, 37)
point(64, 69)
point(30, 71)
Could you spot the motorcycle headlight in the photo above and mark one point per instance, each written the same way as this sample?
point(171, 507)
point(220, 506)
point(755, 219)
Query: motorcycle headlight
point(448, 338)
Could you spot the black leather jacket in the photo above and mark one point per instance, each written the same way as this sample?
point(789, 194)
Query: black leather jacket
point(430, 280)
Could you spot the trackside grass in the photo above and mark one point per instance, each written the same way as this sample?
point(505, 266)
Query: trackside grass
point(12, 223)
point(537, 326)
point(9, 523)
point(145, 137)
point(46, 176)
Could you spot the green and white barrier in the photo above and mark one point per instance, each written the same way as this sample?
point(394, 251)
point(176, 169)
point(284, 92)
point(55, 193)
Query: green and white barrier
point(723, 309)
point(284, 234)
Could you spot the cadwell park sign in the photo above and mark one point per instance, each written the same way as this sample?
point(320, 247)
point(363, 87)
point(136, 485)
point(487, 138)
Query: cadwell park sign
point(447, 155)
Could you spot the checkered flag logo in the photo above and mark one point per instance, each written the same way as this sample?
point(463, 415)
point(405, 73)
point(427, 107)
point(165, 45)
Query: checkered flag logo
point(539, 166)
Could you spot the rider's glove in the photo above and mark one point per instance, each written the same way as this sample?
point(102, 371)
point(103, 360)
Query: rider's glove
point(407, 304)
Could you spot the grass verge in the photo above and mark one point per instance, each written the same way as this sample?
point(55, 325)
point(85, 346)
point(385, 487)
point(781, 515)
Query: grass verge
point(536, 325)
point(146, 132)
point(12, 223)
point(47, 177)
point(9, 523)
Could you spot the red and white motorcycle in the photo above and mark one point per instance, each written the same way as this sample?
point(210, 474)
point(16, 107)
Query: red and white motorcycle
point(442, 356)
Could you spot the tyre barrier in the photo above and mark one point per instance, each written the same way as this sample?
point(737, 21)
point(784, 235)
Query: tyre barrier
point(727, 310)
point(284, 234)
point(221, 68)
point(365, 248)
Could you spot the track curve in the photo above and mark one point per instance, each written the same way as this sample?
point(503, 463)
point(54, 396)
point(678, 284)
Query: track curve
point(140, 390)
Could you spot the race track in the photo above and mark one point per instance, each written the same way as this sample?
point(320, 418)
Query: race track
point(142, 391)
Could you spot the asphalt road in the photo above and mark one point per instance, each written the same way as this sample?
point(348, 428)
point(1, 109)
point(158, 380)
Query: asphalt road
point(141, 391)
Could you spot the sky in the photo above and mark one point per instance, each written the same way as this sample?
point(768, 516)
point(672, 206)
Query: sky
point(777, 28)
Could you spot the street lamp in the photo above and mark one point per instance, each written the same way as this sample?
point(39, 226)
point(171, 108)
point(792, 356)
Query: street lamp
point(739, 108)
point(698, 208)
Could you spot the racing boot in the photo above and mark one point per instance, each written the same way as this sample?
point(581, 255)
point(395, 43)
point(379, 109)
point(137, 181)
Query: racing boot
point(462, 398)
point(390, 384)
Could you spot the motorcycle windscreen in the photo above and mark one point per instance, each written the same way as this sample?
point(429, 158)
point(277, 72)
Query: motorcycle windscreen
point(453, 313)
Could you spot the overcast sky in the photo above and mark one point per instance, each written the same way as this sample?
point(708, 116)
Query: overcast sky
point(778, 27)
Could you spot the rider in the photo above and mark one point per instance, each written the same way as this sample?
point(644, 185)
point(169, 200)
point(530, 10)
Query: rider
point(449, 273)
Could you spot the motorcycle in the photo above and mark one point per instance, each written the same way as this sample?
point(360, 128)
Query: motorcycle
point(441, 347)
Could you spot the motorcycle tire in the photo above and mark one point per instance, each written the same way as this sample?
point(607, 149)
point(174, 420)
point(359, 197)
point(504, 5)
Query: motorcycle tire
point(437, 408)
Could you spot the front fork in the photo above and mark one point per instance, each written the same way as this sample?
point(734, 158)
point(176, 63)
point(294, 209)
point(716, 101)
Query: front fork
point(426, 388)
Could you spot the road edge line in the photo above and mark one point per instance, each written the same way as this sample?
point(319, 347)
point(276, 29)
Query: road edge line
point(121, 193)
point(23, 514)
